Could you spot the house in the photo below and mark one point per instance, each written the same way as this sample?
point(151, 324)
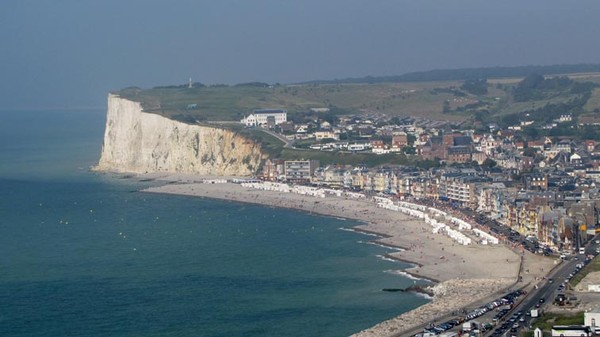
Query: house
point(590, 145)
point(564, 145)
point(302, 128)
point(527, 162)
point(520, 145)
point(366, 131)
point(333, 176)
point(459, 154)
point(571, 331)
point(265, 117)
point(536, 181)
point(400, 140)
point(286, 128)
point(592, 318)
point(357, 147)
point(381, 182)
point(561, 160)
point(536, 144)
point(434, 148)
point(272, 170)
point(575, 158)
point(589, 120)
point(325, 125)
point(564, 119)
point(488, 144)
point(379, 147)
point(319, 135)
point(479, 157)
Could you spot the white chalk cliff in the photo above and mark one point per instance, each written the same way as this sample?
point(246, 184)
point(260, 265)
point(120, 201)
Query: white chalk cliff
point(140, 142)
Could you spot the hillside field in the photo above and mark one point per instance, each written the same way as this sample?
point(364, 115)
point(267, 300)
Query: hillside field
point(416, 99)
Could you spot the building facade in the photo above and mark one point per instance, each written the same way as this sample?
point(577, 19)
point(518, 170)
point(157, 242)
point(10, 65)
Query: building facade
point(265, 117)
point(299, 171)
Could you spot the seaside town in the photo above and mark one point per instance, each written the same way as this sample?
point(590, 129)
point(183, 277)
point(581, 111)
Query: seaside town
point(481, 211)
point(492, 219)
point(543, 189)
point(300, 168)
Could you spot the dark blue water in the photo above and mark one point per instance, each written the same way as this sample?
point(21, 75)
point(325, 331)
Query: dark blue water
point(85, 254)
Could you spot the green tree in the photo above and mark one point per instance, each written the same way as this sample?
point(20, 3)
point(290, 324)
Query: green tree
point(531, 132)
point(529, 152)
point(476, 87)
point(411, 139)
point(489, 163)
point(511, 119)
point(446, 107)
point(409, 150)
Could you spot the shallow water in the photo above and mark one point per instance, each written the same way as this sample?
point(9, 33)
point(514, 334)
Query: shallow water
point(85, 254)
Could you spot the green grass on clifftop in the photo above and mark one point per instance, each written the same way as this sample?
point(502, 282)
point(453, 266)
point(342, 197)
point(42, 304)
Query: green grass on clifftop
point(224, 103)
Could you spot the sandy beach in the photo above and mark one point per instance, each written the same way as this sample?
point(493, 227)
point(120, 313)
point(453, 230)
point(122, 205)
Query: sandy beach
point(466, 274)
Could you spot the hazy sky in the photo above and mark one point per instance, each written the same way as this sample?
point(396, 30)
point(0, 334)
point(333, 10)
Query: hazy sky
point(70, 53)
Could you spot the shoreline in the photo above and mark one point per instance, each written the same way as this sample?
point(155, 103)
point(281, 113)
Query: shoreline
point(457, 271)
point(408, 274)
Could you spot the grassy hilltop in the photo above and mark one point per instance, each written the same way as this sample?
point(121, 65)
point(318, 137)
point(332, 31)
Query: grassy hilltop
point(231, 103)
point(451, 99)
point(471, 97)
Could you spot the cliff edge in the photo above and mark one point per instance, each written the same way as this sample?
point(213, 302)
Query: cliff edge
point(140, 142)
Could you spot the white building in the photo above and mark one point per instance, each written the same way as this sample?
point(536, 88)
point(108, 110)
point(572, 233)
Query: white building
point(565, 118)
point(592, 318)
point(265, 117)
point(357, 147)
point(571, 331)
point(326, 134)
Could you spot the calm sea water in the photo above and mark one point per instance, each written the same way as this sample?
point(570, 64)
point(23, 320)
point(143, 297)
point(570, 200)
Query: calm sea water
point(85, 254)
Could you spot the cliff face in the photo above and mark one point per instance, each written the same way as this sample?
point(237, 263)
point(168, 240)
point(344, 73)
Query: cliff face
point(139, 142)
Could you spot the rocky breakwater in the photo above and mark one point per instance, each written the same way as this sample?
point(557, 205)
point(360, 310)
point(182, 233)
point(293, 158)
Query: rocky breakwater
point(448, 296)
point(140, 142)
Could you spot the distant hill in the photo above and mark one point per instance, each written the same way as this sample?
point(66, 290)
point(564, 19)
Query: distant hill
point(478, 96)
point(469, 74)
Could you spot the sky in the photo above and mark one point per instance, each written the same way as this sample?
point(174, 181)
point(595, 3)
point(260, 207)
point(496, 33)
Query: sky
point(71, 53)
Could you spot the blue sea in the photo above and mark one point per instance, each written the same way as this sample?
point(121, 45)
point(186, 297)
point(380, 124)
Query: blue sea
point(86, 254)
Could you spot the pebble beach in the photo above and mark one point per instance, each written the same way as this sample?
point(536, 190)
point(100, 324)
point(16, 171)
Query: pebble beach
point(475, 272)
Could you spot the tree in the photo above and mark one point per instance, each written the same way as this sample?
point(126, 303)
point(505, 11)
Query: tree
point(476, 87)
point(489, 163)
point(511, 119)
point(411, 139)
point(525, 90)
point(529, 152)
point(446, 107)
point(532, 132)
point(481, 115)
point(589, 132)
point(409, 150)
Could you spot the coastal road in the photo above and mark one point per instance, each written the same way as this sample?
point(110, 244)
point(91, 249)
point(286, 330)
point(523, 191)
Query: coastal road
point(287, 143)
point(545, 294)
point(517, 319)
